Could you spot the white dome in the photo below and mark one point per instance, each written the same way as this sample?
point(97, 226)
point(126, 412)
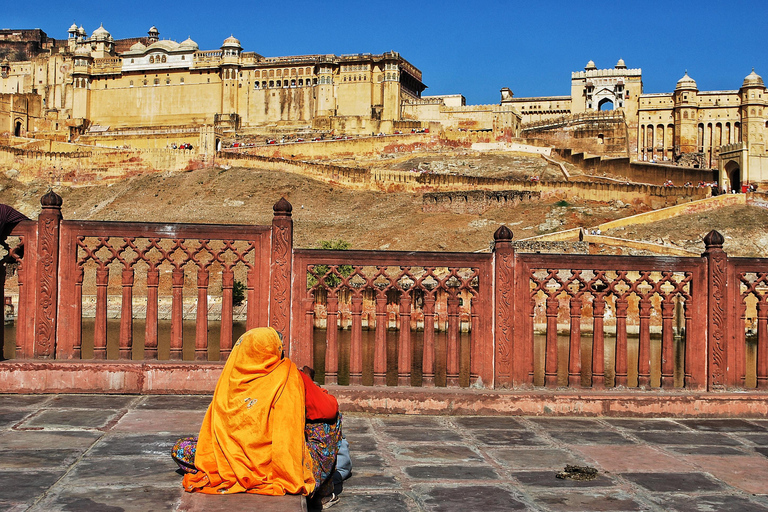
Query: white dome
point(621, 64)
point(73, 28)
point(231, 42)
point(100, 33)
point(752, 80)
point(137, 47)
point(686, 82)
point(590, 65)
point(188, 44)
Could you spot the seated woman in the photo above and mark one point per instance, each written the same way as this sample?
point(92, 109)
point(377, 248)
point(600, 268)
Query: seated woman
point(269, 428)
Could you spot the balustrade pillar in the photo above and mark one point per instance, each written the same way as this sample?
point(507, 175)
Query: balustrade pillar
point(227, 313)
point(150, 328)
point(126, 314)
point(177, 313)
point(404, 350)
point(201, 320)
point(100, 323)
point(574, 347)
point(380, 343)
point(428, 363)
point(598, 341)
point(551, 361)
point(644, 350)
point(622, 304)
point(762, 344)
point(332, 338)
point(667, 342)
point(454, 326)
point(356, 341)
point(77, 348)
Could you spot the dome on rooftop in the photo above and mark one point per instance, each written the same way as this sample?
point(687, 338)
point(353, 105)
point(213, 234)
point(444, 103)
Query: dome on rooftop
point(137, 47)
point(153, 29)
point(73, 28)
point(621, 65)
point(188, 44)
point(81, 31)
point(686, 82)
point(590, 65)
point(231, 42)
point(753, 80)
point(83, 51)
point(100, 33)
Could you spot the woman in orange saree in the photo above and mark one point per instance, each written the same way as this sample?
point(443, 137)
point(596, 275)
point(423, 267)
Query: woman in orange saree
point(253, 434)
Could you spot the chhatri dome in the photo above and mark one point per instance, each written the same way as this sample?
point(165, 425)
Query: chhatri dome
point(590, 65)
point(686, 82)
point(188, 44)
point(231, 42)
point(137, 47)
point(621, 65)
point(100, 33)
point(753, 80)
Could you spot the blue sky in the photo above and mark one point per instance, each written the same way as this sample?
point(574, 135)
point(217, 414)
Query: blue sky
point(471, 48)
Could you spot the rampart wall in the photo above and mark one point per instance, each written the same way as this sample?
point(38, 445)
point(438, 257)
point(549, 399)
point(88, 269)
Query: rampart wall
point(80, 167)
point(642, 172)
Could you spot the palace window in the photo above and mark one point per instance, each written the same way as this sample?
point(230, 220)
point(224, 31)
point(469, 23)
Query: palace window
point(181, 81)
point(157, 81)
point(164, 59)
point(130, 84)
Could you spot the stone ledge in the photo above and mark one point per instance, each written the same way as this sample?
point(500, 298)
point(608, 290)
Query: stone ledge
point(190, 378)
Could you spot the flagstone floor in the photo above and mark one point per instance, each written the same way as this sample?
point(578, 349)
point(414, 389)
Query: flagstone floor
point(110, 453)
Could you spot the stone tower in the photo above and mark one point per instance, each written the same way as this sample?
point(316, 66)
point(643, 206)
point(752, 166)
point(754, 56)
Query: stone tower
point(686, 104)
point(753, 112)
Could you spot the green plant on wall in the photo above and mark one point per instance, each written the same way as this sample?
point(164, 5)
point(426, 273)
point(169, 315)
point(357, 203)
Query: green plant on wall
point(319, 271)
point(238, 293)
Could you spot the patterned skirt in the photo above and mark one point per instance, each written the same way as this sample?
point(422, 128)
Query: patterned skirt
point(323, 440)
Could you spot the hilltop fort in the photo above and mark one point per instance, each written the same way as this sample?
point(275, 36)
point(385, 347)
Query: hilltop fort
point(147, 92)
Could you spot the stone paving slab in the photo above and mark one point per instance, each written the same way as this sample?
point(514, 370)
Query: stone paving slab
point(107, 453)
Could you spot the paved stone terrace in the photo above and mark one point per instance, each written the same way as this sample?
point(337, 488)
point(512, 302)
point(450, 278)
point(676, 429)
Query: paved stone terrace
point(111, 453)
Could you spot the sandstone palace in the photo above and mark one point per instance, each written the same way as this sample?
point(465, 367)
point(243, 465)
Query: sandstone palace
point(149, 82)
point(70, 90)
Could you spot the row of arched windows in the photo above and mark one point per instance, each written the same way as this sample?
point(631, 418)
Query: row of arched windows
point(283, 84)
point(157, 59)
point(271, 73)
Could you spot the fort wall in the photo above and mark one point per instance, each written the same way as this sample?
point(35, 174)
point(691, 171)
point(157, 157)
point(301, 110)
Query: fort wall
point(642, 172)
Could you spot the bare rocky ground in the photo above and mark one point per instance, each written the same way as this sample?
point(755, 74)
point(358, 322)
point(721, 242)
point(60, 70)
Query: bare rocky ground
point(378, 220)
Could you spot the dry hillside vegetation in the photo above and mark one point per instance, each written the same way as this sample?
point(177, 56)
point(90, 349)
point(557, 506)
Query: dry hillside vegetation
point(374, 220)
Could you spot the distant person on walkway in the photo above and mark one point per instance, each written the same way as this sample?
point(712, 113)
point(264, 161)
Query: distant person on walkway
point(269, 428)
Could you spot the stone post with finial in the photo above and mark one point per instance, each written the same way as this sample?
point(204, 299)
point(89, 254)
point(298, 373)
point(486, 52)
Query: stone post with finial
point(48, 226)
point(509, 370)
point(280, 271)
point(718, 332)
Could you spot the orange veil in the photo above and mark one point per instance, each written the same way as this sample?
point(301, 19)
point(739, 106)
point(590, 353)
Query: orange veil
point(252, 438)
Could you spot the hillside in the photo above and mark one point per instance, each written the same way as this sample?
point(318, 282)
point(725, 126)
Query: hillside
point(368, 220)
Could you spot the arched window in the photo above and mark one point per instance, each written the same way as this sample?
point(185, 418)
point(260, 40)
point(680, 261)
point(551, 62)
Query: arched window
point(164, 58)
point(131, 83)
point(301, 81)
point(151, 59)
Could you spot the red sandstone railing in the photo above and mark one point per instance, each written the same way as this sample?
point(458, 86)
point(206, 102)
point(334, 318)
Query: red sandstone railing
point(500, 319)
